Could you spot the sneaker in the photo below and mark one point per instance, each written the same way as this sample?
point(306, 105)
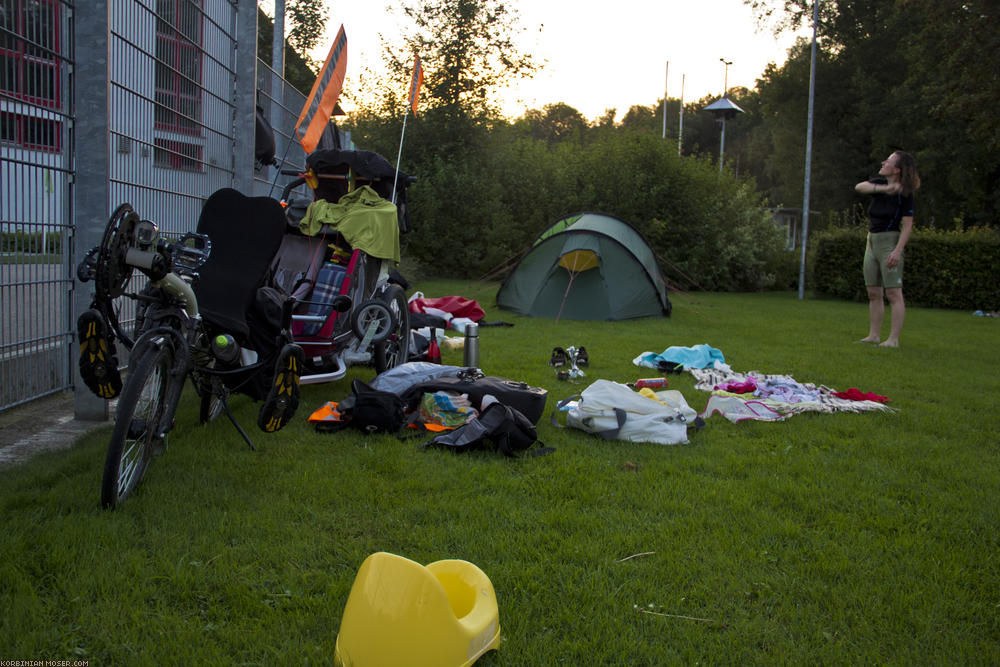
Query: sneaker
point(558, 357)
point(98, 360)
point(283, 398)
point(582, 358)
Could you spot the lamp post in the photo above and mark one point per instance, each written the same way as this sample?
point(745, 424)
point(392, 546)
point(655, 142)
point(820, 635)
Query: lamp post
point(725, 76)
point(723, 109)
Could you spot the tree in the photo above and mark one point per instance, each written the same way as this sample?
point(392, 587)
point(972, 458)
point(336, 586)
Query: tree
point(912, 74)
point(468, 54)
point(555, 123)
point(305, 18)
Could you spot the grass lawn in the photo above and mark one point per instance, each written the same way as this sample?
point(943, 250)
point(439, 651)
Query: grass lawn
point(824, 539)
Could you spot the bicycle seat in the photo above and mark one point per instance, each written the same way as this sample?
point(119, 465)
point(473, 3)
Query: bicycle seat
point(402, 613)
point(245, 234)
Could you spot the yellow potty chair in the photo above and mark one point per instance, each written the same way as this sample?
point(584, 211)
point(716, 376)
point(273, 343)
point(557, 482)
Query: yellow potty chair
point(402, 613)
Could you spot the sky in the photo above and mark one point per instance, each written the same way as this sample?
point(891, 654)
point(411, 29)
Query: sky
point(601, 55)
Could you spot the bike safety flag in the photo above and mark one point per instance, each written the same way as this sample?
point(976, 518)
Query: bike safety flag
point(319, 105)
point(418, 78)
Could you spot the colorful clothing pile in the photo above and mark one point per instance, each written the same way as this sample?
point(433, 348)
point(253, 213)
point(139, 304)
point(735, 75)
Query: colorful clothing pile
point(776, 396)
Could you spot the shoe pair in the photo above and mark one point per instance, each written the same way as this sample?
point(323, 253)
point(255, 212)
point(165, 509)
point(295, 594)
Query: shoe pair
point(283, 398)
point(559, 357)
point(98, 358)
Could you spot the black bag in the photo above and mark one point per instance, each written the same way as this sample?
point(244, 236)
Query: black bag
point(370, 410)
point(528, 400)
point(503, 426)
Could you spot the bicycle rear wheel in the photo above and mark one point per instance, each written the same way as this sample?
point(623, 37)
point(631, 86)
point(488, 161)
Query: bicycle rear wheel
point(140, 411)
point(395, 349)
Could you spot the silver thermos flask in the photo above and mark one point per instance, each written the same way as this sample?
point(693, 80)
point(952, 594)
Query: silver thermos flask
point(470, 356)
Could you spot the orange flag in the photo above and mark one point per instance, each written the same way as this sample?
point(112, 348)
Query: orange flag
point(319, 105)
point(418, 78)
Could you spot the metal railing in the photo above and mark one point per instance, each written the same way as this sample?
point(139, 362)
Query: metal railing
point(181, 78)
point(36, 59)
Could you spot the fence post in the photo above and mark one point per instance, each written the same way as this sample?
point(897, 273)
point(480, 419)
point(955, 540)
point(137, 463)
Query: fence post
point(90, 185)
point(245, 97)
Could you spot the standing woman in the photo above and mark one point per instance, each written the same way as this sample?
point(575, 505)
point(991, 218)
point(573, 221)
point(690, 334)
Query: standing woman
point(890, 221)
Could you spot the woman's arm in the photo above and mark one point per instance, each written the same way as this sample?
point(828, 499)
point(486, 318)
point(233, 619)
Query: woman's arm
point(869, 188)
point(905, 227)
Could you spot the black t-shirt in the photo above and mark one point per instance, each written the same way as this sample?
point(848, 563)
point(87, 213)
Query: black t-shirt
point(886, 211)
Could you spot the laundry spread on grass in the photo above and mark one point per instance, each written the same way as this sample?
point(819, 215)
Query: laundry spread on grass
point(775, 397)
point(754, 395)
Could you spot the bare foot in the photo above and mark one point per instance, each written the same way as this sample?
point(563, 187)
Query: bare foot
point(889, 343)
point(869, 339)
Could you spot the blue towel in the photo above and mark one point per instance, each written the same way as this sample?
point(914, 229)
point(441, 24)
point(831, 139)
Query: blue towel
point(699, 356)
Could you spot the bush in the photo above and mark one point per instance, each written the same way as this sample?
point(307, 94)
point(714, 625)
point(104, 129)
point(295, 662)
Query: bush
point(944, 269)
point(31, 242)
point(485, 191)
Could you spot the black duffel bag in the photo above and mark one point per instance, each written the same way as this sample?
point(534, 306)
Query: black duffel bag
point(499, 426)
point(528, 400)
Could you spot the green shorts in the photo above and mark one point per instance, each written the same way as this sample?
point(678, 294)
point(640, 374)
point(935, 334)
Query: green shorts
point(877, 250)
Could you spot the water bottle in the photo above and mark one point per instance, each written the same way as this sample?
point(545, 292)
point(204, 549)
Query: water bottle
point(470, 357)
point(651, 383)
point(225, 349)
point(433, 349)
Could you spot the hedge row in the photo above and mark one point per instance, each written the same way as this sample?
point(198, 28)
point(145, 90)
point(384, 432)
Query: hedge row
point(30, 242)
point(943, 269)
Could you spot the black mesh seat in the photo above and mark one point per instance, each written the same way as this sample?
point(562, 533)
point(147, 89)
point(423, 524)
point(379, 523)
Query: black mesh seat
point(245, 234)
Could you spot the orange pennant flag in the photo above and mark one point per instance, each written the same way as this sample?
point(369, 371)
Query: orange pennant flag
point(418, 78)
point(319, 105)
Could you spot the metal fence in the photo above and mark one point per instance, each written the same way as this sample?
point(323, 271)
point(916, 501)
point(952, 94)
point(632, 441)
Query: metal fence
point(181, 80)
point(36, 57)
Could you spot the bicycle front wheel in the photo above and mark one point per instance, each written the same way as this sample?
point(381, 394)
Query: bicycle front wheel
point(395, 348)
point(137, 424)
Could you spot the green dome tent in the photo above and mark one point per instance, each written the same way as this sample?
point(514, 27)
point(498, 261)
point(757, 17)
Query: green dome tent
point(587, 266)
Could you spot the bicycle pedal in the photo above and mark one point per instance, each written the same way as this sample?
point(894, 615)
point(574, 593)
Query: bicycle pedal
point(98, 360)
point(283, 397)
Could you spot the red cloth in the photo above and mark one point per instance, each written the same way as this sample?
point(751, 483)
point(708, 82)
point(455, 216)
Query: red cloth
point(854, 394)
point(456, 305)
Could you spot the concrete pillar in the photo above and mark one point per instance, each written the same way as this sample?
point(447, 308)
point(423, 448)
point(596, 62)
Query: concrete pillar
point(91, 171)
point(245, 96)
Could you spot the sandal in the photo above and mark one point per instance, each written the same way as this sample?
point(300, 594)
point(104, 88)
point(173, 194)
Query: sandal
point(283, 398)
point(558, 357)
point(98, 361)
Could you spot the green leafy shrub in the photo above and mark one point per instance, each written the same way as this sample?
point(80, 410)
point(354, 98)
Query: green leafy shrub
point(485, 192)
point(944, 269)
point(31, 242)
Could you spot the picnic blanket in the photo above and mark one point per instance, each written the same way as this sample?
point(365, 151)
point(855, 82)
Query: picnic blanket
point(775, 395)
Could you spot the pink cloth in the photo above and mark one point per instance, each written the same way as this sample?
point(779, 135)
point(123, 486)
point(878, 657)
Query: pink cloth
point(739, 387)
point(854, 394)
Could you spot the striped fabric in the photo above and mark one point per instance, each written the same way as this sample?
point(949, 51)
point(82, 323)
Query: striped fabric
point(328, 285)
point(706, 379)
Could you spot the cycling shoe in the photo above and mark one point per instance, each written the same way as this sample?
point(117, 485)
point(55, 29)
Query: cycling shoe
point(283, 398)
point(98, 360)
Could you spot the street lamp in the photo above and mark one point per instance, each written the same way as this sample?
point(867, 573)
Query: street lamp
point(725, 76)
point(723, 109)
